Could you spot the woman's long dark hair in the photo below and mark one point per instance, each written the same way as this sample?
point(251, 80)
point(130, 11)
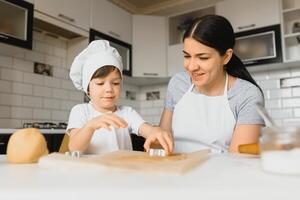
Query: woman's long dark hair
point(216, 31)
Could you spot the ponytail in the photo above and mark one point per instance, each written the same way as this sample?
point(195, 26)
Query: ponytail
point(235, 67)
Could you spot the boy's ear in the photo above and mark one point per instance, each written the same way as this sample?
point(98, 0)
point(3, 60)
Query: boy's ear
point(227, 56)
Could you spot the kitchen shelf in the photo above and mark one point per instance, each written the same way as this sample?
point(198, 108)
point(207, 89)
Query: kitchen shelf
point(289, 10)
point(291, 35)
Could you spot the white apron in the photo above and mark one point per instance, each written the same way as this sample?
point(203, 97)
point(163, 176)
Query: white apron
point(201, 122)
point(104, 141)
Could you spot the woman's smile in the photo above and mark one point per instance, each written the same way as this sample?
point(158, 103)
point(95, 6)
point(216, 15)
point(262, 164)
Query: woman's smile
point(197, 76)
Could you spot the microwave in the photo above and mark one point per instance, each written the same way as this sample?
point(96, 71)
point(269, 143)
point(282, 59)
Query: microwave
point(259, 46)
point(16, 21)
point(124, 49)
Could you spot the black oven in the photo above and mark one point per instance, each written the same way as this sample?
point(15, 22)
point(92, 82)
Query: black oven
point(259, 46)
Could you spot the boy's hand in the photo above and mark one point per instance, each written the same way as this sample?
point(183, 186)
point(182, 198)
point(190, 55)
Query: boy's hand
point(107, 121)
point(164, 138)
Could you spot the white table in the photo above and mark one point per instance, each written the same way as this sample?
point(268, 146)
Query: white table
point(220, 177)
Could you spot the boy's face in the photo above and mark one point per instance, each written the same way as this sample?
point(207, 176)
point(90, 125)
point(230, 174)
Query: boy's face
point(105, 92)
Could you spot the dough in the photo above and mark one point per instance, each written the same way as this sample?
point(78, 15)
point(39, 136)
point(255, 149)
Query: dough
point(26, 146)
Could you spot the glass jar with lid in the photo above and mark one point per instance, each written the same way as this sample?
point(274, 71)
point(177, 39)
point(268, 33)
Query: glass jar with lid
point(280, 149)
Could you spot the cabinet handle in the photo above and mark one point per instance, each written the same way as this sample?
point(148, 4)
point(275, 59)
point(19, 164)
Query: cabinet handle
point(3, 36)
point(150, 74)
point(247, 26)
point(114, 34)
point(2, 143)
point(66, 17)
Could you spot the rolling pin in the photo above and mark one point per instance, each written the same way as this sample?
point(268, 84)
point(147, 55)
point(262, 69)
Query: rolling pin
point(249, 148)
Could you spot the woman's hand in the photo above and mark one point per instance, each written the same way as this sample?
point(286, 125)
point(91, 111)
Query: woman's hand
point(107, 121)
point(164, 138)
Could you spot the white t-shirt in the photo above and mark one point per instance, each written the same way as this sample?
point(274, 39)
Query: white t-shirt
point(104, 140)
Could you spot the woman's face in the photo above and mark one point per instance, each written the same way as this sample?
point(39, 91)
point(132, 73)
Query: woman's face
point(105, 92)
point(204, 64)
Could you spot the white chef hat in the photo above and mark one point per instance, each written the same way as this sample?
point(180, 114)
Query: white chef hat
point(97, 54)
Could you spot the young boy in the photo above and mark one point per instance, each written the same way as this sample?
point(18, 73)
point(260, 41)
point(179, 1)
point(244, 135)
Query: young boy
point(101, 126)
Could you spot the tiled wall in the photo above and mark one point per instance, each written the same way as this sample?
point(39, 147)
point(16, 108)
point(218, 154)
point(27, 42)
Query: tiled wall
point(27, 97)
point(282, 103)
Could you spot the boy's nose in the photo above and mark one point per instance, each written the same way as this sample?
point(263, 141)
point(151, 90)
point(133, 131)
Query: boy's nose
point(108, 87)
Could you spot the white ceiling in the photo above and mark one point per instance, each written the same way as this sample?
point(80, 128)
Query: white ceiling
point(161, 7)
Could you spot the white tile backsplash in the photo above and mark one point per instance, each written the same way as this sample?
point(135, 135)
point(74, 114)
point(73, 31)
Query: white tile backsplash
point(285, 73)
point(35, 56)
point(67, 105)
point(76, 95)
point(43, 48)
point(269, 84)
point(280, 93)
point(61, 73)
point(295, 71)
point(51, 103)
point(291, 103)
point(25, 96)
point(67, 84)
point(53, 61)
point(34, 102)
point(11, 75)
point(22, 88)
point(41, 91)
point(296, 92)
point(60, 94)
point(4, 112)
point(60, 52)
point(60, 115)
point(257, 76)
point(10, 99)
point(22, 65)
point(35, 79)
point(11, 123)
point(276, 103)
point(52, 82)
point(21, 113)
point(282, 113)
point(5, 61)
point(5, 86)
point(42, 114)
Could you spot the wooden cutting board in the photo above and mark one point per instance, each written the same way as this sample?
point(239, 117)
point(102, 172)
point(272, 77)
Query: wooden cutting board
point(130, 160)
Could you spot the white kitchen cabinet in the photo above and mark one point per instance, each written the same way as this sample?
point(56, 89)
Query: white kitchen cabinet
point(291, 29)
point(246, 15)
point(175, 59)
point(149, 46)
point(177, 25)
point(74, 12)
point(109, 19)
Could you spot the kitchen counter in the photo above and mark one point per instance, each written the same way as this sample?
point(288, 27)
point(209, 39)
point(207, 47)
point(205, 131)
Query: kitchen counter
point(226, 176)
point(46, 131)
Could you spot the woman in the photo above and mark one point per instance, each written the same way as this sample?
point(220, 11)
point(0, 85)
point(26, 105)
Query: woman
point(213, 103)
